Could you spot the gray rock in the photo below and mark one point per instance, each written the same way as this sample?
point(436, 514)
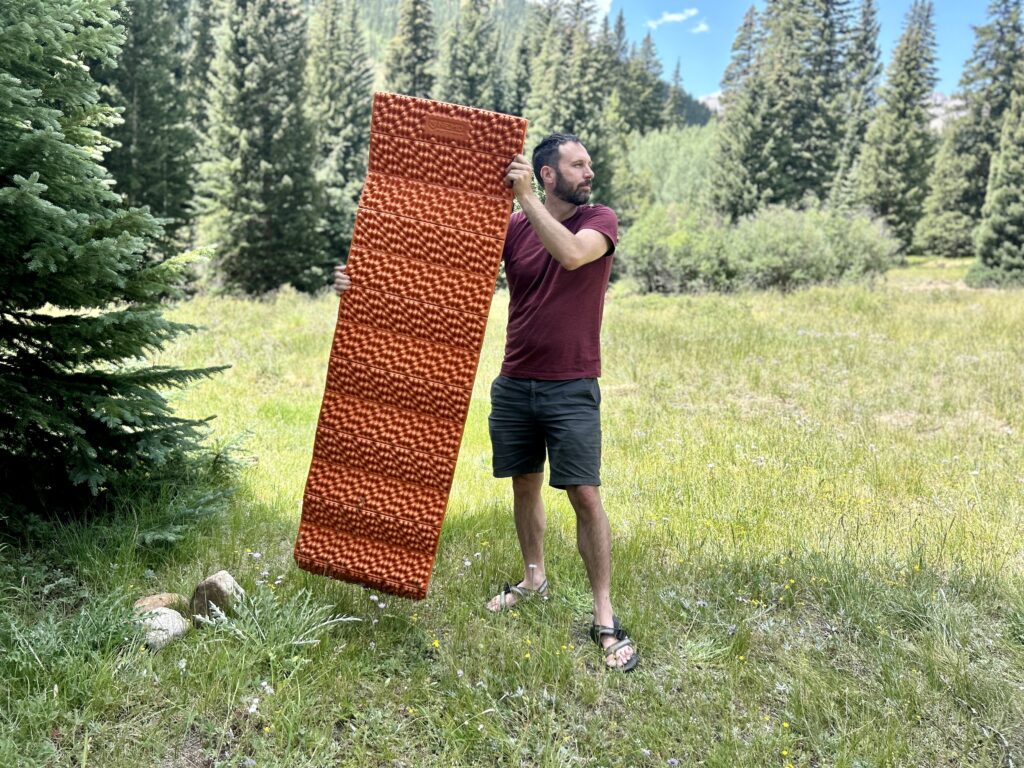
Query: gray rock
point(221, 590)
point(162, 626)
point(162, 600)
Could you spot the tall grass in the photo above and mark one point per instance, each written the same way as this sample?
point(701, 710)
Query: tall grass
point(816, 504)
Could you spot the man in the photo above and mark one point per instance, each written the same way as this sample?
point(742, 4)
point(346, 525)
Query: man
point(557, 261)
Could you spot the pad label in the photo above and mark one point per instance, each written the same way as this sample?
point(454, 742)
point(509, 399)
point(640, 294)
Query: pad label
point(447, 128)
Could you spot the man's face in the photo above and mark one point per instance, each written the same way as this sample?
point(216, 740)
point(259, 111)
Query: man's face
point(573, 174)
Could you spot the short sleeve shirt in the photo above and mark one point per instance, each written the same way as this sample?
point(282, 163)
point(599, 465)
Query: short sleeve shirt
point(554, 314)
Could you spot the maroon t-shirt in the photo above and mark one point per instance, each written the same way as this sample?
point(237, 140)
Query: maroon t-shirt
point(554, 314)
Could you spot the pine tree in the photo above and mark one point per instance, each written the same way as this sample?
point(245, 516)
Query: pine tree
point(339, 90)
point(1000, 237)
point(644, 92)
point(742, 168)
point(257, 188)
point(896, 160)
point(204, 16)
point(152, 162)
point(518, 88)
point(470, 71)
point(680, 107)
point(80, 294)
point(801, 78)
point(946, 227)
point(863, 69)
point(546, 103)
point(962, 170)
point(411, 55)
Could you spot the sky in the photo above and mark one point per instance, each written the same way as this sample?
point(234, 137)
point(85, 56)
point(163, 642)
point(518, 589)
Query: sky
point(699, 34)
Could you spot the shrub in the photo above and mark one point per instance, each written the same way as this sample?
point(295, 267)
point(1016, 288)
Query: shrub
point(671, 251)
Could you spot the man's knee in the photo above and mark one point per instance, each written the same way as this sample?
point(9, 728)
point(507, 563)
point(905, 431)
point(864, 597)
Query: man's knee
point(585, 499)
point(528, 484)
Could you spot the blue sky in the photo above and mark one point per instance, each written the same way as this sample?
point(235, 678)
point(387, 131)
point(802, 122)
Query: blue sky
point(699, 33)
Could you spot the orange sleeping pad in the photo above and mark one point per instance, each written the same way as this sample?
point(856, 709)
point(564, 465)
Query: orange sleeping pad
point(424, 259)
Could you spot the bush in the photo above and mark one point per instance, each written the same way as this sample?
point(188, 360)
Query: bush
point(671, 251)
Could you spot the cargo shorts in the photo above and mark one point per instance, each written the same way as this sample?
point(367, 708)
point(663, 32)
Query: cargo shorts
point(530, 417)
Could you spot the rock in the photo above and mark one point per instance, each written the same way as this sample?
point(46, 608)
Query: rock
point(163, 600)
point(221, 589)
point(162, 626)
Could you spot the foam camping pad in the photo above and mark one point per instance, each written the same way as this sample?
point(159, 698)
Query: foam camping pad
point(423, 261)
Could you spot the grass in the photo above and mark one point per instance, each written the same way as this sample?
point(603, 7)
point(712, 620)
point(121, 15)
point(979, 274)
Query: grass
point(816, 500)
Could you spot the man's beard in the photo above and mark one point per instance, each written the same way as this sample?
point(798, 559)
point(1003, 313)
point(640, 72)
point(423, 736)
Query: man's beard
point(564, 191)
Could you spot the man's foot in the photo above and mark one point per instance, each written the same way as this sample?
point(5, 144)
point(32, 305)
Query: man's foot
point(510, 596)
point(620, 652)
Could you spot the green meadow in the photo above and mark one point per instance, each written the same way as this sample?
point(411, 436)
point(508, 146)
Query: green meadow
point(816, 500)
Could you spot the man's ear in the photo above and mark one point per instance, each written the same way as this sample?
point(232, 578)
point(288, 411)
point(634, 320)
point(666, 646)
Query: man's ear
point(547, 175)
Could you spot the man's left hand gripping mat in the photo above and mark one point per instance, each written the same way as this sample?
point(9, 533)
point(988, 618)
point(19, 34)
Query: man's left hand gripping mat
point(424, 259)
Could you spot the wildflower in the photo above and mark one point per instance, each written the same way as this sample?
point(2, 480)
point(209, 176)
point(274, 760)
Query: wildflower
point(266, 729)
point(526, 655)
point(254, 555)
point(415, 618)
point(466, 563)
point(266, 688)
point(742, 657)
point(458, 673)
point(254, 705)
point(647, 752)
point(702, 603)
point(785, 724)
point(248, 762)
point(673, 761)
point(565, 648)
point(436, 643)
point(181, 665)
point(784, 752)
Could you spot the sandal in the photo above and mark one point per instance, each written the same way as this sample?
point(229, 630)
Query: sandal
point(522, 594)
point(597, 631)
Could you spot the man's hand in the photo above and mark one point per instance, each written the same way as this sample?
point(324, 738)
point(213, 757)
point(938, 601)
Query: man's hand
point(518, 177)
point(342, 282)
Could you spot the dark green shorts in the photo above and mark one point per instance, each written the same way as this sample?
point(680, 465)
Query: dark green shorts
point(529, 417)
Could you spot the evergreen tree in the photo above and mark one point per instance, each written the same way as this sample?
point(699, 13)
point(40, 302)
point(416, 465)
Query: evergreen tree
point(644, 92)
point(410, 62)
point(339, 90)
point(471, 73)
point(587, 86)
point(151, 161)
point(80, 297)
point(896, 160)
point(204, 16)
point(1000, 237)
point(863, 68)
point(681, 108)
point(962, 168)
point(947, 226)
point(519, 85)
point(743, 169)
point(546, 103)
point(802, 80)
point(257, 188)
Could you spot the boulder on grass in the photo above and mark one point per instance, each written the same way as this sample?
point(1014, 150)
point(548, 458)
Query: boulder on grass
point(221, 590)
point(170, 600)
point(162, 626)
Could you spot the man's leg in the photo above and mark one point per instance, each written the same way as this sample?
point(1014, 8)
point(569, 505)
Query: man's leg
point(593, 538)
point(528, 508)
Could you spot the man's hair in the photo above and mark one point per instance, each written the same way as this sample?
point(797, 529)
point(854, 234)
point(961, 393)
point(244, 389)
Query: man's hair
point(546, 153)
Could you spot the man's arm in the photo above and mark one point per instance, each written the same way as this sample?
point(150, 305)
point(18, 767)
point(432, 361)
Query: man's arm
point(569, 250)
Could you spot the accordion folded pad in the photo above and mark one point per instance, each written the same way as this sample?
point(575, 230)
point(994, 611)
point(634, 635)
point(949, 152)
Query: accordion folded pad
point(424, 258)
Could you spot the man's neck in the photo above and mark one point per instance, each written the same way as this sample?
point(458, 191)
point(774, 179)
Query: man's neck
point(559, 209)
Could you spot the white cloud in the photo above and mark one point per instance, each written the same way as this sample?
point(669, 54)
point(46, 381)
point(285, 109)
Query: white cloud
point(672, 18)
point(604, 7)
point(701, 28)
